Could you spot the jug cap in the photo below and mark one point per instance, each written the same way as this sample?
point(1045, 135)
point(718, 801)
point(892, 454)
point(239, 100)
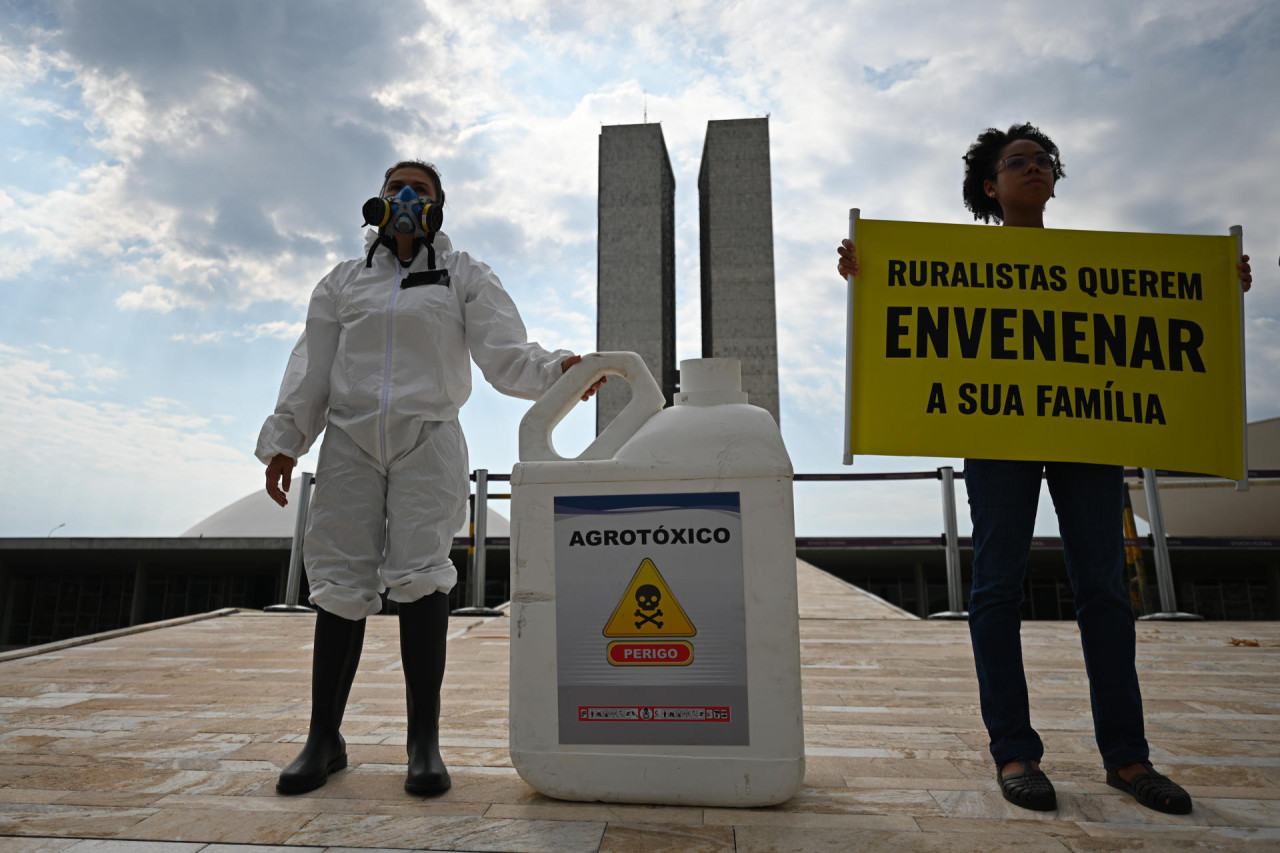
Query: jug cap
point(710, 382)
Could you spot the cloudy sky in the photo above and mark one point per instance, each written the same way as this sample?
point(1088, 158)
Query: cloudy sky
point(175, 177)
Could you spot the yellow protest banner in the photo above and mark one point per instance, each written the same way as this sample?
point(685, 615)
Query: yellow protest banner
point(1046, 344)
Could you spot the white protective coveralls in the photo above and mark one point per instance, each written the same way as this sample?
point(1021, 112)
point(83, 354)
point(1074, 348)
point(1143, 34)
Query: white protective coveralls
point(386, 370)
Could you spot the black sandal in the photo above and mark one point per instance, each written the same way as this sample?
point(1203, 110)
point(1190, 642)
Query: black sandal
point(1154, 790)
point(1030, 789)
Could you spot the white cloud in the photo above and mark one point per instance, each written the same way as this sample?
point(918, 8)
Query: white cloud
point(23, 64)
point(35, 110)
point(103, 466)
point(95, 369)
point(153, 297)
point(37, 376)
point(204, 338)
point(278, 329)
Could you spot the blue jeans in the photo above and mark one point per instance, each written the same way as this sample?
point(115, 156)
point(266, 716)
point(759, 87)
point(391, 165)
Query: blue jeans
point(1089, 501)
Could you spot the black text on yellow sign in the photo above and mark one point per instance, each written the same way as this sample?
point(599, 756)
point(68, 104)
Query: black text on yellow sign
point(648, 608)
point(1042, 344)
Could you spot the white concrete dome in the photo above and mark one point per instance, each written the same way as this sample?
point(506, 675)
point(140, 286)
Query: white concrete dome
point(257, 516)
point(1214, 507)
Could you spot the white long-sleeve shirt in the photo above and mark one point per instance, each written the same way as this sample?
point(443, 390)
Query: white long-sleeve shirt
point(378, 360)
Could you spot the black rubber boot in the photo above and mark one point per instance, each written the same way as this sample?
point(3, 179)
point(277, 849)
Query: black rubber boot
point(333, 668)
point(423, 627)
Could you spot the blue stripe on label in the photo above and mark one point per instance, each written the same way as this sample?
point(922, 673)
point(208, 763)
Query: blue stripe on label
point(603, 504)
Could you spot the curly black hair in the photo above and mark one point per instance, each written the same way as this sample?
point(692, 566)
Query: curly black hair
point(980, 163)
point(429, 168)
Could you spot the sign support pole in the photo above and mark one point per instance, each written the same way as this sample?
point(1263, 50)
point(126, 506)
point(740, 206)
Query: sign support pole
point(854, 213)
point(1237, 231)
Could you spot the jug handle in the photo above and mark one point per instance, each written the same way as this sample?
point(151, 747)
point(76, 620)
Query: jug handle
point(544, 415)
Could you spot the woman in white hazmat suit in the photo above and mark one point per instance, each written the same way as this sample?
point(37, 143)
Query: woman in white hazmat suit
point(383, 368)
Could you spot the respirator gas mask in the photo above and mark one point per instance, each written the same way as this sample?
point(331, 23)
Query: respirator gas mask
point(406, 212)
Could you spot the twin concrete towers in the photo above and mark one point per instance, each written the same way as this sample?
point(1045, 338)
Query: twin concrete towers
point(636, 270)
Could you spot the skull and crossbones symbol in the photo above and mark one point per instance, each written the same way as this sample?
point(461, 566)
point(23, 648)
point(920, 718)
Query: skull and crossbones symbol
point(647, 597)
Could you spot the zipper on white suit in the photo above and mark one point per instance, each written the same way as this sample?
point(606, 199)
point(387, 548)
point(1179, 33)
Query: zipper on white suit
point(386, 375)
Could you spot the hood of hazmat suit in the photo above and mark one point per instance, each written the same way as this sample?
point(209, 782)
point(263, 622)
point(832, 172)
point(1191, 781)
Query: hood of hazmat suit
point(386, 351)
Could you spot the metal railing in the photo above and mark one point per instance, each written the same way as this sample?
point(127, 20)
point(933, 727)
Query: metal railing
point(478, 539)
point(477, 547)
point(291, 586)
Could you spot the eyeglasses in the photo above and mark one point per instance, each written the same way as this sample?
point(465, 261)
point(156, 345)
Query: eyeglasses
point(1018, 162)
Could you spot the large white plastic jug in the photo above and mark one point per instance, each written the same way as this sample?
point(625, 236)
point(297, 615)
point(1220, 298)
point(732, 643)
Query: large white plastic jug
point(655, 654)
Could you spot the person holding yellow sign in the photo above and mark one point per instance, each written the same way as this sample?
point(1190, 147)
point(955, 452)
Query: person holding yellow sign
point(1010, 177)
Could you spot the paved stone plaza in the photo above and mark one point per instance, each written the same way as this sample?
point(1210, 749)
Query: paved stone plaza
point(170, 739)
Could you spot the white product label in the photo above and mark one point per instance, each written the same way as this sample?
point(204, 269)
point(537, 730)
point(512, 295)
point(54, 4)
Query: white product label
point(650, 634)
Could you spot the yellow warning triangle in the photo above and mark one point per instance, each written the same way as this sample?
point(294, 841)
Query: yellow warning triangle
point(648, 608)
